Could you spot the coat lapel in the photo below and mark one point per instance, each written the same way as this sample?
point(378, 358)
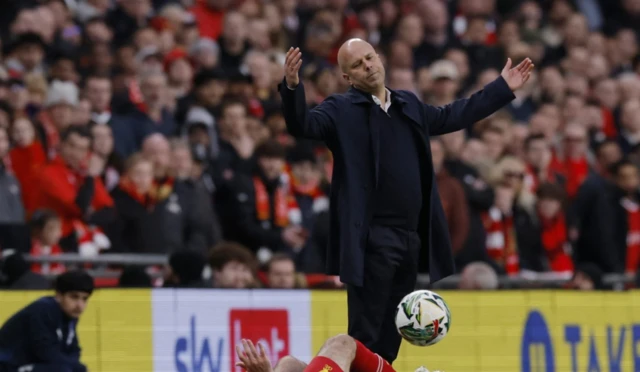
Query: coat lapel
point(374, 137)
point(361, 98)
point(406, 110)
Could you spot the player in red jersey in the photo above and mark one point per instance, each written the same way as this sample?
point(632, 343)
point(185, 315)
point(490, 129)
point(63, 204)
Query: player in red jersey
point(340, 353)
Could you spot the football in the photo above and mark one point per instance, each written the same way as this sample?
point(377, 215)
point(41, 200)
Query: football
point(423, 318)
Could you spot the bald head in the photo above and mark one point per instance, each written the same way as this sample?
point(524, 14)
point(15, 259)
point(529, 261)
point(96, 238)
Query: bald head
point(348, 48)
point(157, 148)
point(361, 66)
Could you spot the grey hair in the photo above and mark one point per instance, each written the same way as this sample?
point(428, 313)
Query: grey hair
point(479, 275)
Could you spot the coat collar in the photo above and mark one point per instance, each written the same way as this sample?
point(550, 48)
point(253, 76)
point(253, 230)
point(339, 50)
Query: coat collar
point(357, 96)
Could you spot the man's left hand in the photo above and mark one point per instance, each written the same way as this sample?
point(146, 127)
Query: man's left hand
point(517, 76)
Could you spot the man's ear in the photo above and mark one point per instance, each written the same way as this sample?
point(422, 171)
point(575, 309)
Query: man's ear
point(346, 77)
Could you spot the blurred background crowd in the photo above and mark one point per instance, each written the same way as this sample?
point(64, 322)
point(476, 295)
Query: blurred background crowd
point(154, 126)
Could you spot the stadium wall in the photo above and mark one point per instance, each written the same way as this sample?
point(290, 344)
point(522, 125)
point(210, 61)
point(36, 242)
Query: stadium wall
point(165, 330)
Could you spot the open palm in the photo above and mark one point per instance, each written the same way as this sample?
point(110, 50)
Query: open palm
point(517, 76)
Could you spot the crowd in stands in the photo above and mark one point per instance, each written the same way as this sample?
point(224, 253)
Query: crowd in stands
point(154, 126)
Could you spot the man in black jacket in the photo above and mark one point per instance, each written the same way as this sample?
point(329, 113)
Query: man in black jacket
point(259, 207)
point(385, 209)
point(42, 337)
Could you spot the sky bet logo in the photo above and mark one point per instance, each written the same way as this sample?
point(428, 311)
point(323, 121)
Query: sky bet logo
point(538, 349)
point(199, 352)
point(193, 354)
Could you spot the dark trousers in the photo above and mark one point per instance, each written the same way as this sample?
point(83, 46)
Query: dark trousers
point(390, 271)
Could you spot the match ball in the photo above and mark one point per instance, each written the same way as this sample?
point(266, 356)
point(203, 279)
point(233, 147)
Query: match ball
point(423, 318)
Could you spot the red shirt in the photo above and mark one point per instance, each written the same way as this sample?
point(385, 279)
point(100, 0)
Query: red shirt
point(633, 235)
point(59, 185)
point(555, 242)
point(26, 163)
point(210, 21)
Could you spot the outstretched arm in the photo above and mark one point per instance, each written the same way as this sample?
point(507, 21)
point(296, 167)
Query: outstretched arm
point(316, 124)
point(465, 112)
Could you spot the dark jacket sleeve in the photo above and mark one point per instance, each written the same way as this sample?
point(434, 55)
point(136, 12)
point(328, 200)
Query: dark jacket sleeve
point(85, 194)
point(44, 342)
point(243, 210)
point(200, 220)
point(463, 113)
point(318, 124)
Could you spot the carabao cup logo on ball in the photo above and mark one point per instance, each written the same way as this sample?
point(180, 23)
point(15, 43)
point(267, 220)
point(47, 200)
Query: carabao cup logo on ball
point(423, 318)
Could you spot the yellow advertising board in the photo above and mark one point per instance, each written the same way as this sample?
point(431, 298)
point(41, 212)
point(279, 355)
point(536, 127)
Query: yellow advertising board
point(115, 332)
point(508, 331)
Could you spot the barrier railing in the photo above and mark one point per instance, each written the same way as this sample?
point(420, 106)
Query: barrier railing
point(526, 280)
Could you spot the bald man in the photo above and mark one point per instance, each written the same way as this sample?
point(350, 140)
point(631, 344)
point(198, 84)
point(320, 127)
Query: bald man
point(386, 217)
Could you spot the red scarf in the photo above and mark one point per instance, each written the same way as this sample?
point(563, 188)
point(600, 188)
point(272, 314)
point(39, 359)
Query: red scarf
point(633, 235)
point(312, 189)
point(284, 204)
point(576, 172)
point(161, 189)
point(501, 242)
point(555, 243)
point(146, 200)
point(51, 133)
point(38, 250)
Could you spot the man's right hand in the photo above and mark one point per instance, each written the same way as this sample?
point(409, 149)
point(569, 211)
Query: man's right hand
point(96, 165)
point(292, 64)
point(293, 236)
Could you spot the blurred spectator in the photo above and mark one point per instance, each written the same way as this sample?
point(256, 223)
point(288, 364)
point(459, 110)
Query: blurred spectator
point(46, 231)
point(185, 270)
point(513, 237)
point(236, 144)
point(453, 198)
point(233, 266)
point(102, 147)
point(26, 54)
point(12, 213)
point(626, 213)
point(312, 203)
point(70, 186)
point(151, 114)
point(262, 215)
point(478, 276)
point(134, 277)
point(27, 159)
point(175, 202)
point(57, 116)
point(478, 194)
point(587, 277)
point(576, 165)
point(203, 220)
point(538, 156)
point(281, 272)
point(555, 238)
point(138, 226)
point(15, 274)
point(592, 214)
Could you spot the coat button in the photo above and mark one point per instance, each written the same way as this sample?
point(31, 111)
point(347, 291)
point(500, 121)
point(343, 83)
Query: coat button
point(365, 187)
point(358, 224)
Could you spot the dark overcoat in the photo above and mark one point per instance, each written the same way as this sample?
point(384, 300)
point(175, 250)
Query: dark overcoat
point(342, 122)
